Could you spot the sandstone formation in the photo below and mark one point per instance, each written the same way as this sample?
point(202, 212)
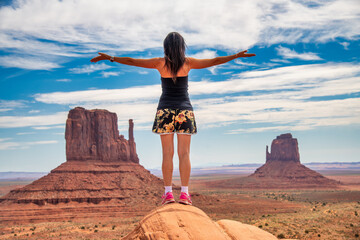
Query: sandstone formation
point(177, 221)
point(283, 148)
point(93, 135)
point(281, 170)
point(102, 166)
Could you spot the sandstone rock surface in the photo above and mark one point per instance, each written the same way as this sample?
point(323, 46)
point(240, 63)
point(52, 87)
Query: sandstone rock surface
point(177, 221)
point(94, 135)
point(283, 148)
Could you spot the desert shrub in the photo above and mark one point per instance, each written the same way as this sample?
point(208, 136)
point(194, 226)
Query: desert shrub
point(306, 231)
point(263, 216)
point(266, 224)
point(260, 226)
point(95, 230)
point(82, 227)
point(281, 235)
point(356, 235)
point(15, 234)
point(351, 225)
point(319, 235)
point(113, 227)
point(104, 225)
point(356, 213)
point(95, 226)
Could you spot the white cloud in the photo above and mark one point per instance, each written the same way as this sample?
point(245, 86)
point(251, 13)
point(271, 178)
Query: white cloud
point(31, 121)
point(205, 54)
point(90, 68)
point(34, 111)
point(280, 60)
point(345, 45)
point(8, 105)
point(101, 95)
point(10, 145)
point(288, 53)
point(240, 62)
point(281, 98)
point(25, 133)
point(32, 63)
point(119, 26)
point(49, 127)
point(108, 74)
point(63, 80)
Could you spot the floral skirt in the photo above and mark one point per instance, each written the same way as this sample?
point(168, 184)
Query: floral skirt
point(174, 120)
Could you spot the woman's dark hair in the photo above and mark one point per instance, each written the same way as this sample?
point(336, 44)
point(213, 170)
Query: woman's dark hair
point(174, 51)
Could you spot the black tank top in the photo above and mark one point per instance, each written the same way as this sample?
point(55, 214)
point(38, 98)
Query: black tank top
point(175, 96)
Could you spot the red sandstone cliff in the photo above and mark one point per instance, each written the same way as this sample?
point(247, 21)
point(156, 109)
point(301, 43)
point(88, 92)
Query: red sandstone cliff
point(94, 135)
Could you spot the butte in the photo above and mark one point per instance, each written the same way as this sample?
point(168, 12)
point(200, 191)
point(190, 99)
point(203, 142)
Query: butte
point(282, 170)
point(101, 176)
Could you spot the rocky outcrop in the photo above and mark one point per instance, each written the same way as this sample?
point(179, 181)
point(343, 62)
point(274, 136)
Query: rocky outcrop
point(283, 148)
point(90, 182)
point(282, 170)
point(94, 135)
point(177, 221)
point(101, 166)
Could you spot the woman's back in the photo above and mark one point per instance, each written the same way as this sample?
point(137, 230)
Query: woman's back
point(165, 73)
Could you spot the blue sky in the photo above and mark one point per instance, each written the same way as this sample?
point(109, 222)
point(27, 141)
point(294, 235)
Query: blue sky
point(305, 78)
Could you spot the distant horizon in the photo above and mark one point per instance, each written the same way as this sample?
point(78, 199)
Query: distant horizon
point(197, 167)
point(304, 79)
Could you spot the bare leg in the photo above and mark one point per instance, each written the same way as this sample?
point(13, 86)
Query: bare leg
point(167, 142)
point(184, 158)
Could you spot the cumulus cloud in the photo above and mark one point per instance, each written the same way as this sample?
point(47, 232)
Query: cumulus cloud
point(119, 26)
point(288, 53)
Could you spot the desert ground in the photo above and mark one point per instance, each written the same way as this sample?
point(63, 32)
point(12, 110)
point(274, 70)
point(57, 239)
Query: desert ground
point(287, 214)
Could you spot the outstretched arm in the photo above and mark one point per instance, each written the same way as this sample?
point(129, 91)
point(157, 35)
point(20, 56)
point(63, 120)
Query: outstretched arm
point(205, 63)
point(145, 63)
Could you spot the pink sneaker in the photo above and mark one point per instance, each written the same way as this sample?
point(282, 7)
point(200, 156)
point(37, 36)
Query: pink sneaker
point(185, 199)
point(167, 198)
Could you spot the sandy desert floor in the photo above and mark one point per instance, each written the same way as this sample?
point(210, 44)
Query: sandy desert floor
point(290, 214)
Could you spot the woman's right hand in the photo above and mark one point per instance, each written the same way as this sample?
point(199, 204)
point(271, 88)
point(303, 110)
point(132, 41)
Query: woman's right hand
point(102, 56)
point(244, 54)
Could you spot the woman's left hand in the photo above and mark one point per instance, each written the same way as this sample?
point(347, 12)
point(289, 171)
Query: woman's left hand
point(102, 56)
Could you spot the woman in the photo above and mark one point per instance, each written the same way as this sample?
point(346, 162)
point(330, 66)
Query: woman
point(174, 111)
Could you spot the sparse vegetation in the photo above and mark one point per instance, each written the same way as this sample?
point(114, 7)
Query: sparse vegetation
point(281, 235)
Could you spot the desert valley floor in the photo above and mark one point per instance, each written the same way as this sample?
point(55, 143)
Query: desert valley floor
point(287, 214)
